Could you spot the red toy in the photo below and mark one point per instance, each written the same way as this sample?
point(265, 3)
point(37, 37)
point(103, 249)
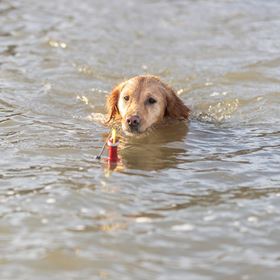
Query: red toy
point(113, 143)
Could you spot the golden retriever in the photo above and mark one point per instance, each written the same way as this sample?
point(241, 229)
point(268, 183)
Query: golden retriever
point(142, 102)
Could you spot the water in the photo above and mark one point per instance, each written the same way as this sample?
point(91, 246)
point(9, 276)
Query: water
point(188, 202)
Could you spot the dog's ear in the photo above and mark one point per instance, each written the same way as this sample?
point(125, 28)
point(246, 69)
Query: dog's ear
point(112, 103)
point(175, 108)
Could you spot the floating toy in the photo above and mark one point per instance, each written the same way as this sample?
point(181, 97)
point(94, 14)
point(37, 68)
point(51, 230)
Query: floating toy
point(112, 143)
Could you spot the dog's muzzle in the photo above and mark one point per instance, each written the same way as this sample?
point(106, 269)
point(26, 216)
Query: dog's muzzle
point(133, 123)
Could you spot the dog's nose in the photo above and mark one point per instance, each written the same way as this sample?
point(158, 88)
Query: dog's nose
point(133, 121)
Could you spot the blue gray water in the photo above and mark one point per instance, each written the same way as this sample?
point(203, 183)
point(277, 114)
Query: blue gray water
point(198, 202)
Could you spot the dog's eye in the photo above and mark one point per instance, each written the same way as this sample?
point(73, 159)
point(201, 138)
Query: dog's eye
point(151, 100)
point(126, 98)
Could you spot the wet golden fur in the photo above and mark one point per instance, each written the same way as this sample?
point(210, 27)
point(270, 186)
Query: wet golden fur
point(134, 97)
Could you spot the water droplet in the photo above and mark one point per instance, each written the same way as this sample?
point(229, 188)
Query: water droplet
point(252, 219)
point(214, 93)
point(63, 45)
point(209, 218)
point(10, 192)
point(50, 200)
point(80, 227)
point(180, 91)
point(143, 220)
point(44, 221)
point(183, 227)
point(84, 210)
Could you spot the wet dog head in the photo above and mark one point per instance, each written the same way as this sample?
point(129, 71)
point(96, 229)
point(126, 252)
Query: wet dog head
point(143, 101)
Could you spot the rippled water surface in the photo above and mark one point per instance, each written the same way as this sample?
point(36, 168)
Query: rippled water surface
point(188, 202)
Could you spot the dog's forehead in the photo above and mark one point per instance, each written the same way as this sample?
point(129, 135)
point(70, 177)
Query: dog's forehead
point(140, 85)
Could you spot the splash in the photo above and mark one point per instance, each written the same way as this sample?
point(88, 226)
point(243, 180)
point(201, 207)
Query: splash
point(218, 112)
point(83, 98)
point(97, 117)
point(57, 44)
point(223, 110)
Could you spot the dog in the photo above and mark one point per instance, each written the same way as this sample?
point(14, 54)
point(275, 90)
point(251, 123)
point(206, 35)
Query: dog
point(142, 102)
